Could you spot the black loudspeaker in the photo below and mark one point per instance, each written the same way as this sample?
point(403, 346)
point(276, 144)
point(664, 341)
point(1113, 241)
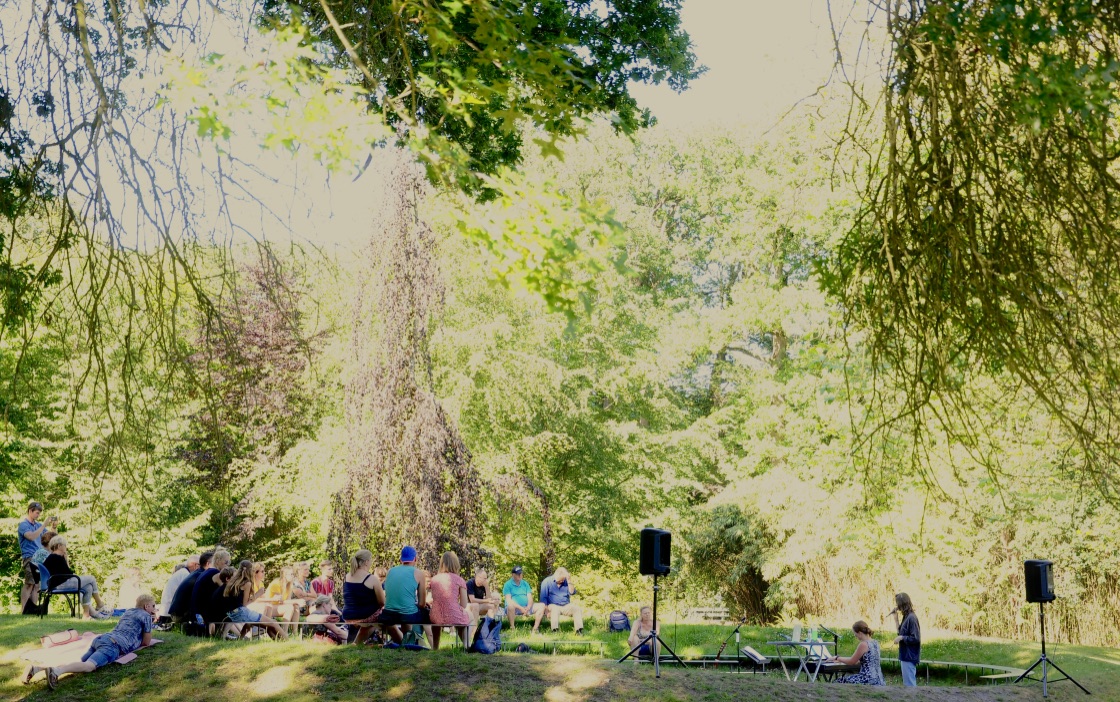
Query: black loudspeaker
point(1039, 579)
point(657, 546)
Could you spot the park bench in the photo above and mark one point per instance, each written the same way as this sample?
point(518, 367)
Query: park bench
point(999, 672)
point(719, 614)
point(545, 646)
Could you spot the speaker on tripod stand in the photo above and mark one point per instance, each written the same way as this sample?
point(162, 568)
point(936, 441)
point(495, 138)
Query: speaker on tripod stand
point(1038, 577)
point(655, 551)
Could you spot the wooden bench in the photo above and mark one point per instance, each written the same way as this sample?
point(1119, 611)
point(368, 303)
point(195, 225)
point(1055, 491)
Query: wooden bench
point(1000, 672)
point(589, 644)
point(720, 614)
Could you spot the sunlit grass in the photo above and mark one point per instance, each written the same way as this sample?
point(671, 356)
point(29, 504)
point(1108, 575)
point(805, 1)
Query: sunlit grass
point(193, 669)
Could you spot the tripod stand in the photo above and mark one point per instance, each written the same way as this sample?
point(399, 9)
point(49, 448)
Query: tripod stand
point(738, 651)
point(1045, 662)
point(653, 637)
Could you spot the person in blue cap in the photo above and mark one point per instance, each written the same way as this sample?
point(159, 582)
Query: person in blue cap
point(516, 593)
point(406, 594)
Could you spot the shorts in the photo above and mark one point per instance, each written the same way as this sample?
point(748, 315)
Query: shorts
point(389, 616)
point(102, 651)
point(533, 607)
point(356, 618)
point(244, 615)
point(646, 651)
point(30, 573)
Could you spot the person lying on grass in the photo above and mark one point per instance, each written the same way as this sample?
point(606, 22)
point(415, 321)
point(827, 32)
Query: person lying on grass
point(133, 631)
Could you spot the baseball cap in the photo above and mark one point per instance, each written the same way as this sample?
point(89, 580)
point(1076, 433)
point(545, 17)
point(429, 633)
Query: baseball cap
point(408, 554)
point(517, 569)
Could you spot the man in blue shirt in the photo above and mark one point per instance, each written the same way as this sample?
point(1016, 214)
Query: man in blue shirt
point(556, 601)
point(516, 594)
point(30, 532)
point(133, 631)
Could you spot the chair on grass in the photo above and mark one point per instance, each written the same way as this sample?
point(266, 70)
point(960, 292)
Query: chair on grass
point(68, 586)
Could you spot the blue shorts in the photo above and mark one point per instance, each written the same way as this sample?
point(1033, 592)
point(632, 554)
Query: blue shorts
point(102, 651)
point(388, 616)
point(244, 615)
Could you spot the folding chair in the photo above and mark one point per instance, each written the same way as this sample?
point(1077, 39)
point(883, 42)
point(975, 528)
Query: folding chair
point(69, 586)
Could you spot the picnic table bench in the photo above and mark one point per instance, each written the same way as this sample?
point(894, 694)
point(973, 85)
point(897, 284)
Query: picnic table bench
point(999, 672)
point(589, 644)
point(714, 613)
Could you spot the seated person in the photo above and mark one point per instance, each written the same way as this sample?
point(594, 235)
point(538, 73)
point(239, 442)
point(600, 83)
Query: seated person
point(301, 588)
point(324, 584)
point(204, 587)
point(282, 595)
point(181, 602)
point(516, 593)
point(178, 576)
point(58, 565)
point(260, 605)
point(486, 604)
point(866, 655)
point(556, 598)
point(322, 615)
point(642, 628)
point(449, 600)
point(406, 593)
point(233, 599)
point(133, 631)
point(362, 595)
point(41, 553)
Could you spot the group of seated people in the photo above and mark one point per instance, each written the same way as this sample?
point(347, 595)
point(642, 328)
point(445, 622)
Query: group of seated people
point(205, 590)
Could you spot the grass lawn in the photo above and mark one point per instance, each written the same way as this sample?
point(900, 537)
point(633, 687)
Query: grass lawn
point(184, 668)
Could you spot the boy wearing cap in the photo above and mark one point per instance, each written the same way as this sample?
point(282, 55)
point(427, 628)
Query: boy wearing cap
point(406, 593)
point(516, 592)
point(30, 532)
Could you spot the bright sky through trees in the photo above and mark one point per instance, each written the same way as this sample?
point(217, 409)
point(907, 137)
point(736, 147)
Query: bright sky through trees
point(762, 56)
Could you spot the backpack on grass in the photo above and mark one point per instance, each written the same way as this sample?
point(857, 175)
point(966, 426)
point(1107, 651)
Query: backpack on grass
point(488, 638)
point(618, 621)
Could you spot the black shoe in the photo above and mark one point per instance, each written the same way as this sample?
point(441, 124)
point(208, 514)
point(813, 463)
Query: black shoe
point(555, 631)
point(579, 632)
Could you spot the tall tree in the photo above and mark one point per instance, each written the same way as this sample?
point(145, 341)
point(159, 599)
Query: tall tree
point(988, 238)
point(410, 480)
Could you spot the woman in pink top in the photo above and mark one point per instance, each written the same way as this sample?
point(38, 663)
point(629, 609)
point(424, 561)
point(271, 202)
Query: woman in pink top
point(449, 599)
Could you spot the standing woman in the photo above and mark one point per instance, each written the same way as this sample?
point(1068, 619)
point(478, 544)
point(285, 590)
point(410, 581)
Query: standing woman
point(866, 655)
point(362, 596)
point(909, 639)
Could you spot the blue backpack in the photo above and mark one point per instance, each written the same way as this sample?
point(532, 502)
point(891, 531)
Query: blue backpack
point(618, 621)
point(488, 638)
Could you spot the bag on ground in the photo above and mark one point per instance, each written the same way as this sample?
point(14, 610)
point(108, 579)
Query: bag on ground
point(618, 621)
point(488, 638)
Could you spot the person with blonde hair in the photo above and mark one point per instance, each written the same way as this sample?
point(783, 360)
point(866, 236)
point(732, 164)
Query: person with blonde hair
point(323, 616)
point(207, 583)
point(58, 565)
point(866, 655)
point(234, 600)
point(282, 595)
point(642, 628)
point(260, 605)
point(449, 600)
point(556, 601)
point(362, 595)
point(133, 631)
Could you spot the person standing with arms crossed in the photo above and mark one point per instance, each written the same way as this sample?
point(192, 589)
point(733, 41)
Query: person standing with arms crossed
point(909, 639)
point(30, 532)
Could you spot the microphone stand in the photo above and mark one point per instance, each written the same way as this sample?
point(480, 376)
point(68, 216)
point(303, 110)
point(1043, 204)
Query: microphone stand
point(738, 652)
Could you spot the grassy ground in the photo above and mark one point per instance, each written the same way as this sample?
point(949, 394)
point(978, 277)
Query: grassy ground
point(193, 669)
